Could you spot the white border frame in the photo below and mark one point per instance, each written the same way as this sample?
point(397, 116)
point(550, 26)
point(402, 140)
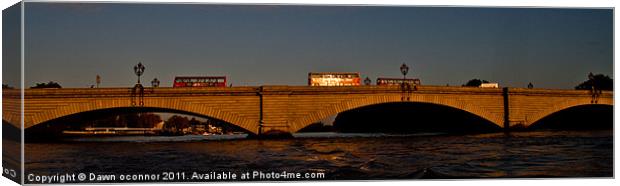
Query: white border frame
point(456, 3)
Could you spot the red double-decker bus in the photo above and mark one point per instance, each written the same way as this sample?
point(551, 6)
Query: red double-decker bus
point(397, 81)
point(333, 79)
point(199, 81)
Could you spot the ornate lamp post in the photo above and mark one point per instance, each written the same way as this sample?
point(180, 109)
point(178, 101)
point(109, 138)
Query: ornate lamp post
point(596, 92)
point(98, 80)
point(138, 70)
point(404, 69)
point(155, 83)
point(138, 89)
point(367, 81)
point(591, 81)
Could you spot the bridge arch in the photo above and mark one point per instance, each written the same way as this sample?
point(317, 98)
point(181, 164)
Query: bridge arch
point(376, 100)
point(176, 105)
point(121, 110)
point(570, 103)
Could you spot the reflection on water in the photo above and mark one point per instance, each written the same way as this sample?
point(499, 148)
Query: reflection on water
point(340, 156)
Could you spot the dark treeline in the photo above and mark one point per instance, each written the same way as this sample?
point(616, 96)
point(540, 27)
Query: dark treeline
point(132, 120)
point(475, 83)
point(599, 81)
point(178, 123)
point(50, 84)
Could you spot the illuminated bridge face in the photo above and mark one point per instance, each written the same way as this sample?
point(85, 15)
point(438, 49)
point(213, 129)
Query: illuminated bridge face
point(291, 108)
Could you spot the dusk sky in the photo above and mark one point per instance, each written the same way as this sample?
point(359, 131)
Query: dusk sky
point(279, 45)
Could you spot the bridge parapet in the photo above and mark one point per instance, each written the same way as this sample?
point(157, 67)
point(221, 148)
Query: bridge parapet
point(374, 89)
point(148, 92)
point(161, 91)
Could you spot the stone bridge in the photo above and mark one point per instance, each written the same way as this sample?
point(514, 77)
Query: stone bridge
point(266, 109)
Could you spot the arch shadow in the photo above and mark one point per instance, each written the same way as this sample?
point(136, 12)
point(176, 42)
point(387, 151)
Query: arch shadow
point(411, 117)
point(578, 117)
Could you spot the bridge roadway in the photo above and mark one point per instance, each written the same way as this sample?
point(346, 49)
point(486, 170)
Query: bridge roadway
point(267, 109)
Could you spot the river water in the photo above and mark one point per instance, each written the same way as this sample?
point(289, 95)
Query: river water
point(338, 156)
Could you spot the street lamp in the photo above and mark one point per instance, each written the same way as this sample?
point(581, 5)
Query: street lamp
point(155, 82)
point(139, 70)
point(98, 80)
point(138, 89)
point(367, 81)
point(404, 69)
point(594, 88)
point(592, 82)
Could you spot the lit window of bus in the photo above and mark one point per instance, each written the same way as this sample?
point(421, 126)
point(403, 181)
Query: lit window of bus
point(200, 81)
point(396, 81)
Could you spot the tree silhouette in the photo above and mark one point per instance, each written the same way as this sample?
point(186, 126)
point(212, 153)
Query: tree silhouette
point(193, 122)
point(148, 120)
point(475, 83)
point(599, 81)
point(51, 84)
point(177, 122)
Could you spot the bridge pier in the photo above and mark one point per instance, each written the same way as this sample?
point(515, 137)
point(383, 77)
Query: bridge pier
point(506, 109)
point(261, 122)
point(267, 131)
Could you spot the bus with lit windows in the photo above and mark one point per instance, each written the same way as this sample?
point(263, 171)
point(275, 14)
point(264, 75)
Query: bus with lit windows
point(397, 81)
point(333, 79)
point(199, 81)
